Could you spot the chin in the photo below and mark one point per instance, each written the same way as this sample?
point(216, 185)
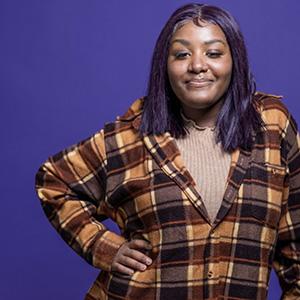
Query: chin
point(200, 103)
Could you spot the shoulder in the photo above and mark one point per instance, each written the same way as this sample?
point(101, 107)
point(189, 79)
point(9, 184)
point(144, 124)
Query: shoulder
point(125, 129)
point(129, 117)
point(273, 110)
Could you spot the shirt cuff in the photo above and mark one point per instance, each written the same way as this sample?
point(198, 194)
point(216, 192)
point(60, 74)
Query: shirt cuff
point(105, 249)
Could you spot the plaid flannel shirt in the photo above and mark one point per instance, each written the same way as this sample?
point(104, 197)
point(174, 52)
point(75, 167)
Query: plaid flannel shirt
point(141, 183)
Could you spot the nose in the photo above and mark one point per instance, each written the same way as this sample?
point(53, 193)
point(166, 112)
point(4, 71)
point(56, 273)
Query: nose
point(198, 64)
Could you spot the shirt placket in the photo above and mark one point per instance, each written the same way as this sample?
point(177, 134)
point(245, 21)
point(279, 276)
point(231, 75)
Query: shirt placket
point(212, 265)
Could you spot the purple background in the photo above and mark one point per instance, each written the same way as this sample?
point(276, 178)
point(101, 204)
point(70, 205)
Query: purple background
point(66, 68)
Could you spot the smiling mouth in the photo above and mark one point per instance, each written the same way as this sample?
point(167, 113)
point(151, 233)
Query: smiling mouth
point(198, 83)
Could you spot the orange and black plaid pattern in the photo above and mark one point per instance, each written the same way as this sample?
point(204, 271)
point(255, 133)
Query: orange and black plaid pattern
point(142, 184)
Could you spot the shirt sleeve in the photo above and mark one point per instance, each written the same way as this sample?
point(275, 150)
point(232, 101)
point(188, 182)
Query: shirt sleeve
point(287, 253)
point(71, 187)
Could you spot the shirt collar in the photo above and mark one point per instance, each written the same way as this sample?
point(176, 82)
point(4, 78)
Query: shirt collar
point(191, 123)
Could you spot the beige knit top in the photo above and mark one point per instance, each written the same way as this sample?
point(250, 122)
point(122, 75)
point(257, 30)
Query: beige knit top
point(207, 163)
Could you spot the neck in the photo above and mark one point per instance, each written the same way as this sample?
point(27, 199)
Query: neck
point(203, 117)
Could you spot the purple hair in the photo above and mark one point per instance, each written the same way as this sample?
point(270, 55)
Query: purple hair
point(237, 118)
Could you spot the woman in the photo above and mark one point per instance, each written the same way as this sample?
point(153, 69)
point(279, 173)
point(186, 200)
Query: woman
point(201, 176)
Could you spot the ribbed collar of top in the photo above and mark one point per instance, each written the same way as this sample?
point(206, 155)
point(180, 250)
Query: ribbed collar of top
point(192, 123)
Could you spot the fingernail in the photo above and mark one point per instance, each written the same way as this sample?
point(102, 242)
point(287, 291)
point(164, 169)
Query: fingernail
point(148, 261)
point(143, 267)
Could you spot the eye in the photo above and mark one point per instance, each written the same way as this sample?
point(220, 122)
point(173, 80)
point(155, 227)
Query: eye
point(214, 54)
point(181, 55)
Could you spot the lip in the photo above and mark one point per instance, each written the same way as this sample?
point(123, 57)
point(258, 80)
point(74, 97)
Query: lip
point(198, 83)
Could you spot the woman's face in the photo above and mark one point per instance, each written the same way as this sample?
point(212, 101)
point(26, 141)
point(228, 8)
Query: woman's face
point(199, 67)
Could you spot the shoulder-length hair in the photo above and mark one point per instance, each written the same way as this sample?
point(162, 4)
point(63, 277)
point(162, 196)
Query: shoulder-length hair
point(237, 118)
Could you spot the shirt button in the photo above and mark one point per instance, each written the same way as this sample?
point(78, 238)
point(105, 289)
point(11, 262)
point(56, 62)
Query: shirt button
point(210, 274)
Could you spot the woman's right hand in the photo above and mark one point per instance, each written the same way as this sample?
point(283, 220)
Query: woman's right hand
point(129, 258)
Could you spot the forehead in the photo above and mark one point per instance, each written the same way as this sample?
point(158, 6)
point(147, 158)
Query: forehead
point(203, 32)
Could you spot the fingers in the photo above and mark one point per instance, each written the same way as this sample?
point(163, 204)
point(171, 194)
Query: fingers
point(134, 251)
point(132, 263)
point(129, 258)
point(138, 244)
point(122, 269)
point(138, 256)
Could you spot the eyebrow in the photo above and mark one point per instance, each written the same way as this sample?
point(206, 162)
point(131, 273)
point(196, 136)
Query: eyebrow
point(187, 43)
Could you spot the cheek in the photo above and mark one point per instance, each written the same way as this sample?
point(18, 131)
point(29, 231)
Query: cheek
point(224, 74)
point(227, 77)
point(222, 68)
point(175, 71)
point(173, 79)
point(227, 70)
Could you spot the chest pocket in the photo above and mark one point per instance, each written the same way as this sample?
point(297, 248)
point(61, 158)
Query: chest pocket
point(267, 183)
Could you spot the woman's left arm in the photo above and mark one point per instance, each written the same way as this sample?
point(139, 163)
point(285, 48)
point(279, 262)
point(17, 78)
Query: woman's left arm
point(287, 253)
